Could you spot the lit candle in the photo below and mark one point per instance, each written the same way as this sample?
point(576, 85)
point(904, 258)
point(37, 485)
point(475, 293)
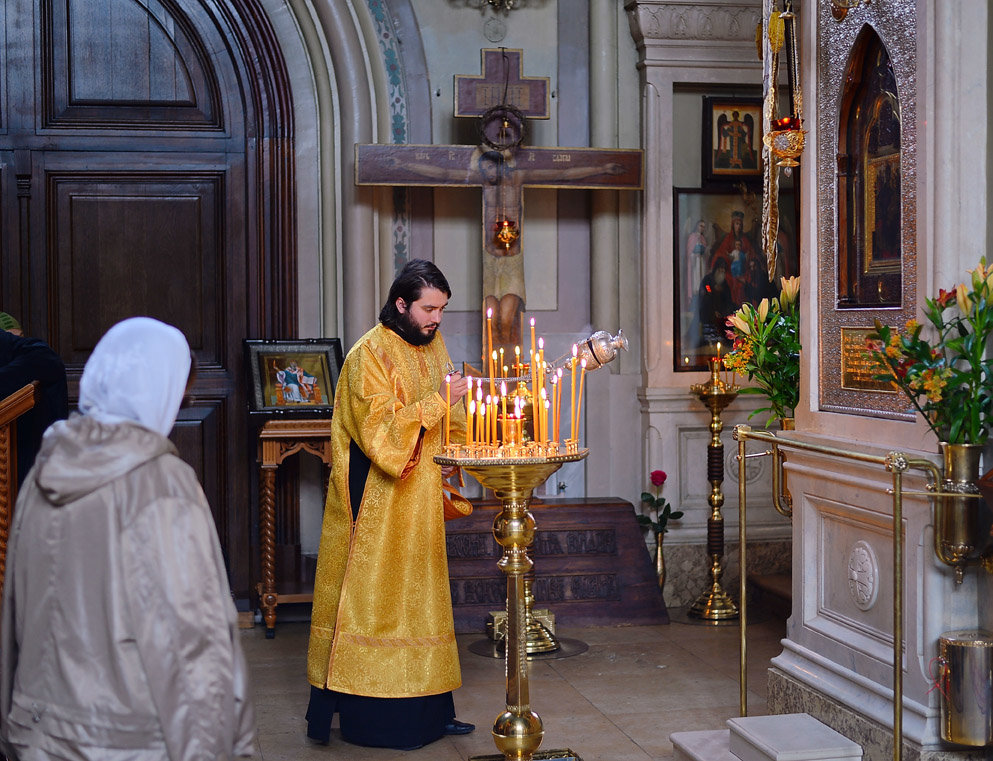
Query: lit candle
point(582, 377)
point(496, 427)
point(519, 415)
point(533, 356)
point(543, 416)
point(558, 405)
point(572, 400)
point(555, 414)
point(502, 365)
point(503, 407)
point(532, 334)
point(489, 419)
point(493, 356)
point(489, 334)
point(448, 409)
point(468, 413)
point(541, 362)
point(548, 406)
point(480, 413)
point(517, 360)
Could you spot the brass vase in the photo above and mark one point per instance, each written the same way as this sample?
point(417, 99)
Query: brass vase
point(959, 519)
point(660, 559)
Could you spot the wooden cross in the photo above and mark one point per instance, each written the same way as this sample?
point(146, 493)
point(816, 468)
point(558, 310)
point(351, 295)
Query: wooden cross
point(503, 175)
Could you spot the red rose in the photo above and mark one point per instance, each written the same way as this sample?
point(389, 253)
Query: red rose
point(658, 477)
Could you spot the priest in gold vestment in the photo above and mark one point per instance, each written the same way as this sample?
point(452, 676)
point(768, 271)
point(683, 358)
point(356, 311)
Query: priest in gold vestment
point(382, 650)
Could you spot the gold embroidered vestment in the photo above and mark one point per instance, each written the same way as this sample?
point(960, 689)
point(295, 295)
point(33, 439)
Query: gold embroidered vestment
point(382, 616)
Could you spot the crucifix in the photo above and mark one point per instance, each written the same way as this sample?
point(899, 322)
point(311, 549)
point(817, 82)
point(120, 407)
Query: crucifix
point(502, 167)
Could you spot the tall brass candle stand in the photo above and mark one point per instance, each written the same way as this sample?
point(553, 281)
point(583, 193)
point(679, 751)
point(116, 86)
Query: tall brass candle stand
point(517, 731)
point(715, 605)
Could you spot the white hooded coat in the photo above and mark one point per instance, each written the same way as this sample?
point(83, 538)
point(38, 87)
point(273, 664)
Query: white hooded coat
point(119, 635)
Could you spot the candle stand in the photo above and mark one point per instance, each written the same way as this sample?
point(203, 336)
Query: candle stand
point(714, 604)
point(517, 731)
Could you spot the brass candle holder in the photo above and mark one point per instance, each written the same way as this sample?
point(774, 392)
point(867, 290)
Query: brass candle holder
point(517, 731)
point(714, 604)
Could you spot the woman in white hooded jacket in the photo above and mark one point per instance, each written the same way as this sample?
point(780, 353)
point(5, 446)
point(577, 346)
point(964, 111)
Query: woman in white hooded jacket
point(119, 636)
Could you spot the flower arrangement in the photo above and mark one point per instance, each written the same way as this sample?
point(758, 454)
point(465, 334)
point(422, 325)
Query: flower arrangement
point(948, 377)
point(658, 503)
point(766, 349)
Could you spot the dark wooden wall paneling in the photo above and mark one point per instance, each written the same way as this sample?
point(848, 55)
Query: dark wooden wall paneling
point(147, 168)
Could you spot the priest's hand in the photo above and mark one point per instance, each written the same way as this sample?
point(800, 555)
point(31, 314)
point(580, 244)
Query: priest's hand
point(459, 387)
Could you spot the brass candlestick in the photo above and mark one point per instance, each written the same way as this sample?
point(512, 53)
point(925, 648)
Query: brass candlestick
point(517, 731)
point(715, 604)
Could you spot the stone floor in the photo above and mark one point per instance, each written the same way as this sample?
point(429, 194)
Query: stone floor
point(618, 701)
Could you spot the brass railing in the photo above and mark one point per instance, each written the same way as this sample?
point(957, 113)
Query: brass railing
point(896, 463)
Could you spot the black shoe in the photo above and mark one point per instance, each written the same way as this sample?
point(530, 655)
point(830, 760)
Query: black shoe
point(456, 727)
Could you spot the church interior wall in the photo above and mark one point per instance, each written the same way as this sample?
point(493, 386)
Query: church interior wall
point(673, 424)
point(350, 233)
point(837, 659)
point(672, 56)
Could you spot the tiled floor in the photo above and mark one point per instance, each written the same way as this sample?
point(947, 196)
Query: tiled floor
point(618, 701)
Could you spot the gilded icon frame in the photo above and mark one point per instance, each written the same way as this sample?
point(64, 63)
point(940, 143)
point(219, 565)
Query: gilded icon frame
point(720, 164)
point(293, 378)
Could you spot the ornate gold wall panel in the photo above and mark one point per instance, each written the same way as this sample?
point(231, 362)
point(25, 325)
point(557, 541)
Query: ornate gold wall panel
point(895, 22)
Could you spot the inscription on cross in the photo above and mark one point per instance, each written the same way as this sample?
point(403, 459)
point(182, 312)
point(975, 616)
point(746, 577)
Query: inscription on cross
point(502, 175)
point(502, 73)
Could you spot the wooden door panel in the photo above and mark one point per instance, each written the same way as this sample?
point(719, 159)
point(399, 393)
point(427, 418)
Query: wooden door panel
point(119, 62)
point(130, 243)
point(199, 434)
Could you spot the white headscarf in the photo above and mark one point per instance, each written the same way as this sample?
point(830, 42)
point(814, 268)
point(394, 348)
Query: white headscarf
point(137, 372)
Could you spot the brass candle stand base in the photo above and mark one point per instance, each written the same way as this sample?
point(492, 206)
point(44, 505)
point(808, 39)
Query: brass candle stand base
point(517, 732)
point(546, 755)
point(714, 605)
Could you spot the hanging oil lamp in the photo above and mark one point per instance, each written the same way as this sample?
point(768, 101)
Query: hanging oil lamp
point(506, 233)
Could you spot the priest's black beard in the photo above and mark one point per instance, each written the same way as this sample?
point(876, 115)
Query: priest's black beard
point(409, 332)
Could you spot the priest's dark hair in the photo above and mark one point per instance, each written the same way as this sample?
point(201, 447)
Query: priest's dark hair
point(416, 275)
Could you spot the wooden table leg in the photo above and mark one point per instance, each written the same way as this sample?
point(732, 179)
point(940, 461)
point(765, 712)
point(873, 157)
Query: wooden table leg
point(268, 599)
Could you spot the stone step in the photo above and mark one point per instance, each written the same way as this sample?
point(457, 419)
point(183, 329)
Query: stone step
point(706, 745)
point(782, 737)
